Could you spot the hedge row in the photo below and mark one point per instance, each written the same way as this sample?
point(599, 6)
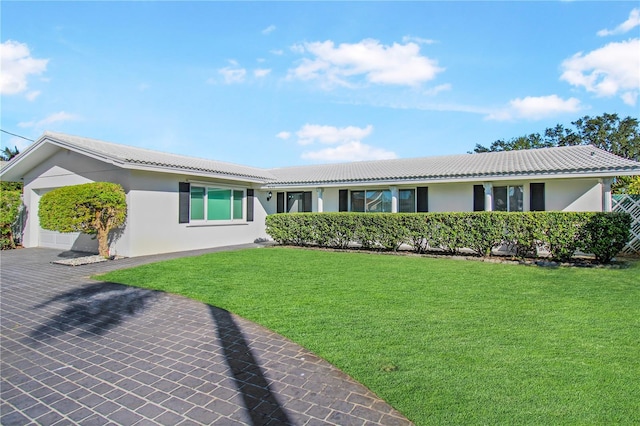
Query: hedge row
point(559, 233)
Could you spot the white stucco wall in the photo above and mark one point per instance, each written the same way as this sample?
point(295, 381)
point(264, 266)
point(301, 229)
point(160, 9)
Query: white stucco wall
point(560, 195)
point(152, 226)
point(573, 195)
point(62, 169)
point(453, 197)
point(152, 198)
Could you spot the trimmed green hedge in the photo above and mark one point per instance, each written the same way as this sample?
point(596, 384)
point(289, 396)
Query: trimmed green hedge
point(559, 233)
point(94, 208)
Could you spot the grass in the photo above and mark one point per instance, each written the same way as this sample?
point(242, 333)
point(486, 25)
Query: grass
point(443, 341)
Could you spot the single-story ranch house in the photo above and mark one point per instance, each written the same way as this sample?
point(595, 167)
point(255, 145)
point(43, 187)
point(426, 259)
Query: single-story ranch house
point(179, 203)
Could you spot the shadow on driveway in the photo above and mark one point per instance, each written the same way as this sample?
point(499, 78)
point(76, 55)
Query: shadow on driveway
point(94, 309)
point(260, 402)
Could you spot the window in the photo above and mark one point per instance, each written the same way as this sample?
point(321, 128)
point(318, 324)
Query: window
point(216, 204)
point(407, 201)
point(508, 198)
point(295, 202)
point(371, 201)
point(299, 202)
point(357, 201)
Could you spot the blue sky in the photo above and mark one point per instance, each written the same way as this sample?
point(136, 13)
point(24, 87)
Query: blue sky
point(272, 84)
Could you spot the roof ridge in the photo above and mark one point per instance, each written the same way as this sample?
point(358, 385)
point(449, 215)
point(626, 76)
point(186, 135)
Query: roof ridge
point(147, 150)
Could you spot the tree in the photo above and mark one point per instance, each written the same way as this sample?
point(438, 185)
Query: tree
point(93, 208)
point(7, 153)
point(607, 131)
point(10, 202)
point(634, 186)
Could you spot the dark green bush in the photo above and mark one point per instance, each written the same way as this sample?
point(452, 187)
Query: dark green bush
point(605, 234)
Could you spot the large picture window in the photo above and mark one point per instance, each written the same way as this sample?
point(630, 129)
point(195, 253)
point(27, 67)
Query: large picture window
point(371, 201)
point(216, 204)
point(508, 198)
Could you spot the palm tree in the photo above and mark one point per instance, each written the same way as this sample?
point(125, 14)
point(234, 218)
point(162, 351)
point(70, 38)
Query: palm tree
point(8, 153)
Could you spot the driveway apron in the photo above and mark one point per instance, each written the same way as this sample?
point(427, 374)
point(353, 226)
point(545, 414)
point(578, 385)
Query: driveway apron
point(78, 351)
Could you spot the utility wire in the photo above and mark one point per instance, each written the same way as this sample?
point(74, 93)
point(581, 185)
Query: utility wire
point(18, 136)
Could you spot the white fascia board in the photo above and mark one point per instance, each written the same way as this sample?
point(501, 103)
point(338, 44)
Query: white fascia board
point(488, 178)
point(190, 172)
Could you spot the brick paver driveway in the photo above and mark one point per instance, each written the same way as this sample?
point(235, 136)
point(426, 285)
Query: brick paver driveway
point(77, 351)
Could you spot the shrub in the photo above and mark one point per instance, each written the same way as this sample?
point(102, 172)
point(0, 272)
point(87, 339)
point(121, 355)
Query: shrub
point(93, 208)
point(482, 231)
point(446, 232)
point(10, 202)
point(417, 230)
point(380, 231)
point(561, 233)
point(523, 233)
point(605, 234)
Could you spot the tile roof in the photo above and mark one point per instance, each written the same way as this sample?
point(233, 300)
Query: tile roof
point(583, 160)
point(570, 160)
point(138, 156)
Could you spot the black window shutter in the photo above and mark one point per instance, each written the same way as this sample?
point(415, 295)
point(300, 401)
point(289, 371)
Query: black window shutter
point(307, 204)
point(423, 199)
point(343, 200)
point(478, 198)
point(184, 198)
point(536, 197)
point(280, 202)
point(249, 205)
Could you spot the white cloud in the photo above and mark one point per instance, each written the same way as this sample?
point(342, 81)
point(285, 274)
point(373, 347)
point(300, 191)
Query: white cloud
point(342, 65)
point(346, 141)
point(535, 108)
point(630, 98)
point(311, 133)
point(351, 151)
point(283, 135)
point(418, 40)
point(261, 72)
point(277, 52)
point(433, 91)
point(233, 74)
point(269, 29)
point(607, 71)
point(31, 96)
point(57, 117)
point(632, 22)
point(17, 65)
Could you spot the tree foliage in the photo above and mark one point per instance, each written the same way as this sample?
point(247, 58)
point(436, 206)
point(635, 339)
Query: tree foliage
point(7, 153)
point(607, 131)
point(10, 202)
point(93, 208)
point(634, 186)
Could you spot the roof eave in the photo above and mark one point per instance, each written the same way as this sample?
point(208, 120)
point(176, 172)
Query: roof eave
point(455, 179)
point(192, 172)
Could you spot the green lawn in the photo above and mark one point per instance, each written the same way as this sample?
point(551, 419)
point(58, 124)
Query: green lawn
point(443, 341)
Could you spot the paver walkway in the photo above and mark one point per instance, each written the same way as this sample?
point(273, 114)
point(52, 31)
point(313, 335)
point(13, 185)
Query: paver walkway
point(78, 351)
